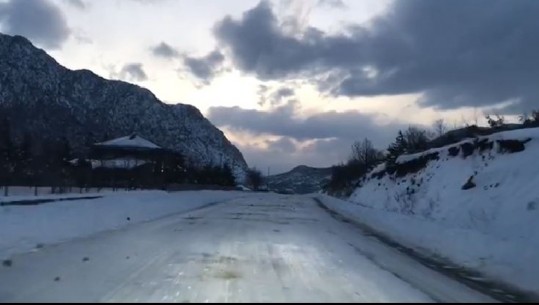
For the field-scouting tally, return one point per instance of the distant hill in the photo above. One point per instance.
(300, 180)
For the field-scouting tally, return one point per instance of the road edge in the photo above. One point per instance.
(497, 290)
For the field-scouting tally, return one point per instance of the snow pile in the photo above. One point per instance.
(22, 228)
(244, 188)
(492, 227)
(29, 192)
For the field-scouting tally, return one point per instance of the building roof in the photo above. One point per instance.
(132, 141)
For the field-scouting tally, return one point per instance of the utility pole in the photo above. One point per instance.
(267, 179)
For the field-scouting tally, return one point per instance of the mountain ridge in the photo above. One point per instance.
(37, 93)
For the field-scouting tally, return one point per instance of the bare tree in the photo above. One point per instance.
(364, 153)
(254, 178)
(524, 118)
(535, 117)
(440, 128)
(416, 139)
(497, 122)
(530, 119)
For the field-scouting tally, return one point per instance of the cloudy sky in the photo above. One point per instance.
(296, 82)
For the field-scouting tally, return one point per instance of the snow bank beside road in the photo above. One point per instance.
(492, 228)
(25, 192)
(22, 228)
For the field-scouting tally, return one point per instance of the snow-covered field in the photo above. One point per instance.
(492, 228)
(23, 228)
(27, 192)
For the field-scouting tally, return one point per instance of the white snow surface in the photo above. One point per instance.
(259, 248)
(22, 228)
(129, 141)
(28, 192)
(519, 134)
(492, 228)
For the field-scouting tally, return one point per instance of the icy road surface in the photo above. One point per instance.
(268, 248)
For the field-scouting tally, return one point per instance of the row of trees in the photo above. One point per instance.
(210, 175)
(364, 157)
(530, 119)
(254, 178)
(30, 161)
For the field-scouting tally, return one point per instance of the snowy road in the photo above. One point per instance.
(267, 248)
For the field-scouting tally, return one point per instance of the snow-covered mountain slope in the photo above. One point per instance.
(300, 180)
(37, 94)
(475, 202)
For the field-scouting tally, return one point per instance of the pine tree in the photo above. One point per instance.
(23, 159)
(229, 179)
(64, 153)
(6, 154)
(397, 148)
(254, 178)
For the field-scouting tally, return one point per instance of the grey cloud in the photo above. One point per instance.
(284, 92)
(332, 3)
(283, 145)
(164, 50)
(283, 121)
(205, 67)
(151, 1)
(133, 72)
(262, 92)
(457, 53)
(41, 21)
(281, 95)
(274, 97)
(259, 46)
(82, 38)
(80, 4)
(322, 139)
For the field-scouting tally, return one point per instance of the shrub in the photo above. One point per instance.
(254, 178)
(512, 146)
(485, 144)
(454, 151)
(467, 149)
(497, 122)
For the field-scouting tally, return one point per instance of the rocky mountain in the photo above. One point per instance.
(300, 180)
(40, 97)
